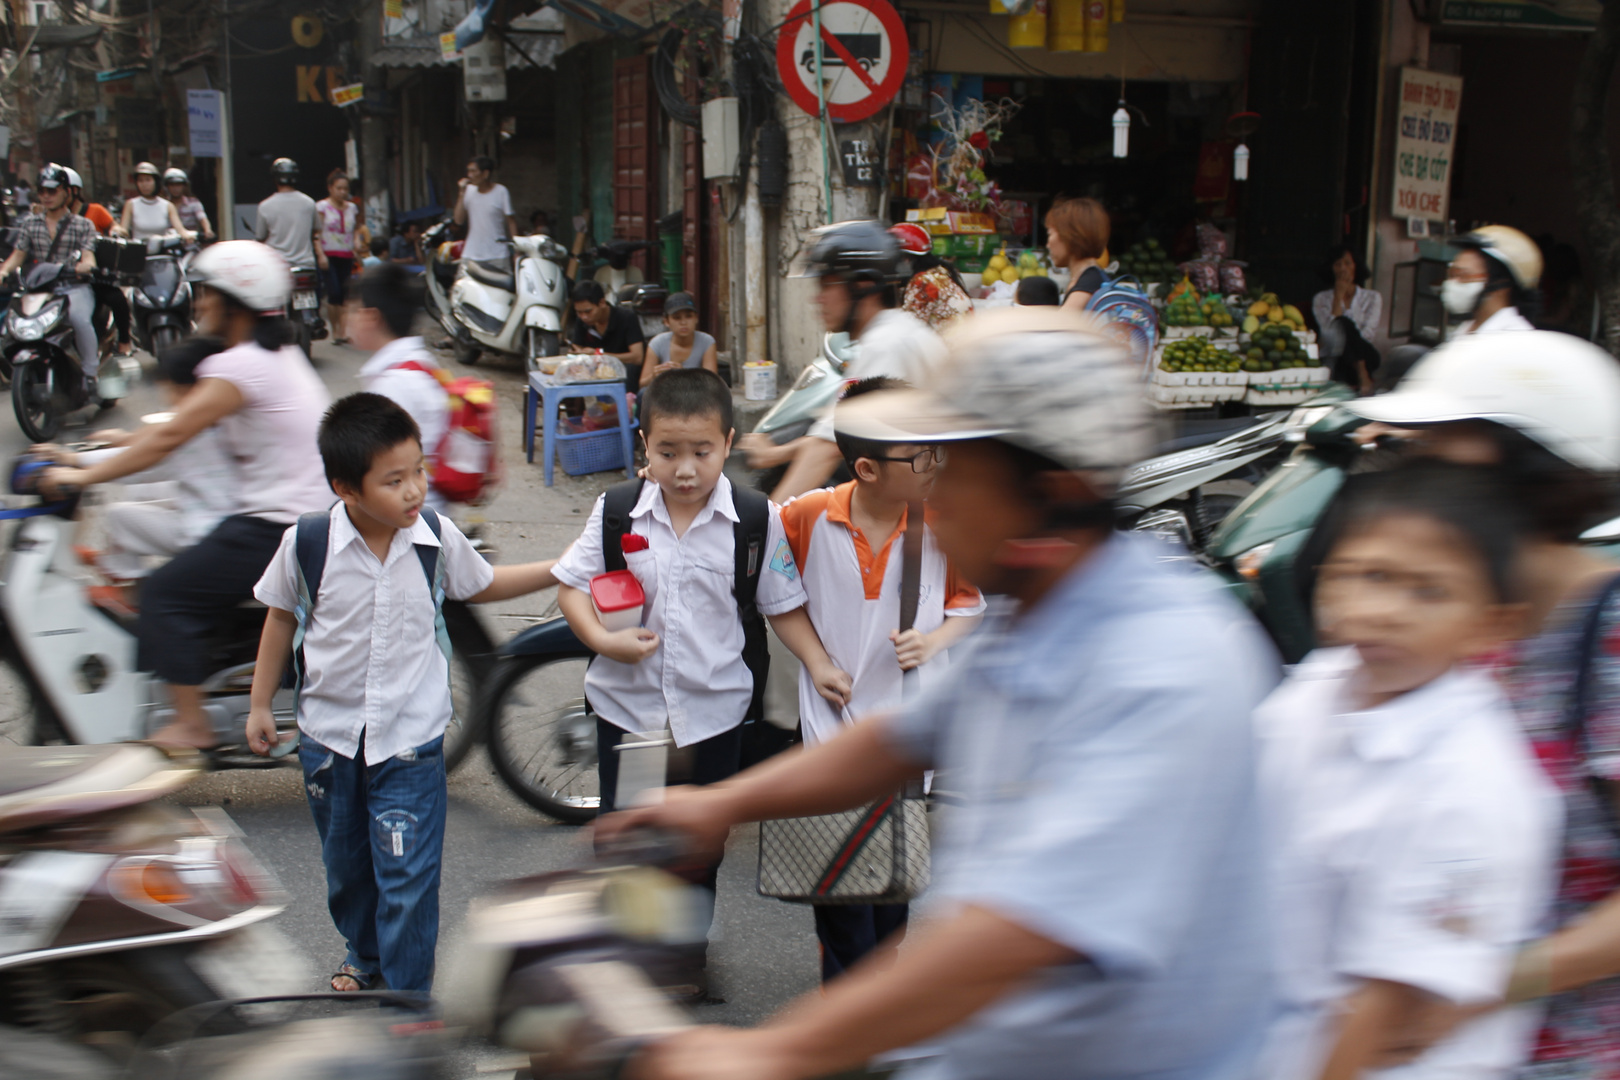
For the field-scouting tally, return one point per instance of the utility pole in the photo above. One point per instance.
(373, 126)
(22, 84)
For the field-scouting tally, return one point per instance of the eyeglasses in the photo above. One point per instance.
(926, 461)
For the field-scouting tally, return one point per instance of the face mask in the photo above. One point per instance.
(1460, 297)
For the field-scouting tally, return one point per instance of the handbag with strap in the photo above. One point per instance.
(876, 854)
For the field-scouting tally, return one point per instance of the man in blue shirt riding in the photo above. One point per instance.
(1100, 890)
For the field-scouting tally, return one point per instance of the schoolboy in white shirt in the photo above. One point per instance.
(683, 668)
(1415, 833)
(848, 544)
(375, 699)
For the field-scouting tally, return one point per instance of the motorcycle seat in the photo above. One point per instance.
(44, 784)
(1195, 433)
(496, 273)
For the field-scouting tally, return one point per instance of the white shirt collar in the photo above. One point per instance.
(720, 502)
(1401, 728)
(397, 351)
(344, 533)
(1508, 318)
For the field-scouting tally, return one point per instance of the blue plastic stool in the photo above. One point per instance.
(547, 396)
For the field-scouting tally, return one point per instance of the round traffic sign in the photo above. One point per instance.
(863, 56)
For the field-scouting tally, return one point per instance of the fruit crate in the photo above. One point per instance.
(592, 451)
(1191, 389)
(1176, 333)
(1289, 386)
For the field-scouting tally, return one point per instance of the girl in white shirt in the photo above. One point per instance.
(1414, 832)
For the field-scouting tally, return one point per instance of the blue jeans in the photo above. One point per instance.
(382, 839)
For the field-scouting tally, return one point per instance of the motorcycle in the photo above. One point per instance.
(806, 401)
(624, 283)
(42, 358)
(161, 307)
(512, 305)
(117, 909)
(306, 308)
(71, 652)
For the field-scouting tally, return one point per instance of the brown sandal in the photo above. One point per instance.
(361, 980)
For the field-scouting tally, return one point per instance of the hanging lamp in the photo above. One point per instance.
(1240, 162)
(1240, 126)
(1122, 130)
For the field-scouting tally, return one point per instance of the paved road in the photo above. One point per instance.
(763, 951)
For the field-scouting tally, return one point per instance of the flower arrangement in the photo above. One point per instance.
(958, 159)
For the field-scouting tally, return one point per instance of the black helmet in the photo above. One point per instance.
(285, 170)
(856, 250)
(54, 176)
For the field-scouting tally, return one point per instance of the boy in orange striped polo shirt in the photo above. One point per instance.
(847, 543)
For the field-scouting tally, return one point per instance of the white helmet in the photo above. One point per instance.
(246, 271)
(73, 178)
(1560, 391)
(1511, 248)
(175, 176)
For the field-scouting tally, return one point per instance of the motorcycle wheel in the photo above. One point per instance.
(470, 667)
(306, 340)
(26, 718)
(465, 354)
(540, 343)
(163, 337)
(112, 1001)
(542, 741)
(36, 401)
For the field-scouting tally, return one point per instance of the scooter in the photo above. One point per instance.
(74, 650)
(624, 283)
(161, 307)
(506, 308)
(42, 357)
(117, 909)
(806, 401)
(306, 308)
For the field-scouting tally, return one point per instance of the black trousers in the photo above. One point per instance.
(848, 932)
(113, 299)
(183, 601)
(707, 762)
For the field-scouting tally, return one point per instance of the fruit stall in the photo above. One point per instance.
(1248, 348)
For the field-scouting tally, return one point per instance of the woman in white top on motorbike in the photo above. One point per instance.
(150, 214)
(268, 403)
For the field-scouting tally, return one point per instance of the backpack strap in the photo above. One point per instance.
(749, 533)
(1580, 693)
(314, 531)
(432, 559)
(440, 376)
(618, 503)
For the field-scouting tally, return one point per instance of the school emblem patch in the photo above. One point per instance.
(782, 561)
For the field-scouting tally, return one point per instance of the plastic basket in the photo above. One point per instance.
(591, 451)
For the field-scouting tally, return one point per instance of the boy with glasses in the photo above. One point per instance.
(847, 542)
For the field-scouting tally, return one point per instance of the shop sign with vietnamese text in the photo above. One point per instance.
(1425, 143)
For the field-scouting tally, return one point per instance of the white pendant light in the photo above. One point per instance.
(1122, 130)
(1240, 162)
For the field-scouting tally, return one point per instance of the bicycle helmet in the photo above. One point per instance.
(285, 170)
(54, 176)
(1555, 389)
(247, 272)
(175, 176)
(857, 251)
(1510, 247)
(913, 238)
(74, 180)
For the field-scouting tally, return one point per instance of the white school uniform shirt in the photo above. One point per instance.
(854, 603)
(417, 392)
(695, 682)
(1414, 842)
(372, 661)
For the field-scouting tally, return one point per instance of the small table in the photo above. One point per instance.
(545, 395)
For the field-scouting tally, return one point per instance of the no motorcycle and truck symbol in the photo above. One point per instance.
(864, 49)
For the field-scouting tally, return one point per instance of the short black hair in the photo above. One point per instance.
(589, 291)
(1038, 291)
(853, 447)
(1561, 500)
(485, 164)
(379, 246)
(178, 362)
(355, 430)
(409, 225)
(395, 292)
(686, 392)
(1474, 503)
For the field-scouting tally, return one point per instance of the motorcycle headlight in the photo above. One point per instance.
(1249, 563)
(809, 377)
(31, 327)
(142, 300)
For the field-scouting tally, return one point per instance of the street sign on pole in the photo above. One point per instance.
(862, 56)
(205, 117)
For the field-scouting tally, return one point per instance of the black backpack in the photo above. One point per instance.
(752, 524)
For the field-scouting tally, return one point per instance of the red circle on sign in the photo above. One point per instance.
(879, 94)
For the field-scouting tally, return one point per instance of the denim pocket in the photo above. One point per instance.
(315, 760)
